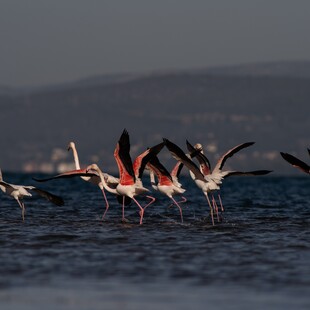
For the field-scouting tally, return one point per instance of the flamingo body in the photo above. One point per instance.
(18, 192)
(167, 184)
(130, 184)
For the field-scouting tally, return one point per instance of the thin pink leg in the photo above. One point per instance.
(181, 215)
(107, 204)
(181, 201)
(152, 200)
(220, 199)
(22, 206)
(211, 208)
(123, 209)
(141, 209)
(215, 208)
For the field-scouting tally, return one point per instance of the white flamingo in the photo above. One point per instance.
(110, 179)
(18, 192)
(92, 177)
(209, 182)
(215, 176)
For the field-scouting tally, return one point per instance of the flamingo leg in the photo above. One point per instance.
(107, 203)
(141, 209)
(211, 208)
(220, 199)
(181, 201)
(123, 209)
(152, 200)
(215, 207)
(22, 206)
(181, 214)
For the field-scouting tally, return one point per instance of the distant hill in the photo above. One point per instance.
(298, 69)
(212, 106)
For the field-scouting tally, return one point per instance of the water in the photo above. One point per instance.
(258, 256)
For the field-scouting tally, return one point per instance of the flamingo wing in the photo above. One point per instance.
(295, 162)
(179, 155)
(123, 159)
(8, 185)
(159, 168)
(230, 153)
(163, 175)
(68, 174)
(47, 195)
(202, 159)
(255, 172)
(142, 160)
(176, 170)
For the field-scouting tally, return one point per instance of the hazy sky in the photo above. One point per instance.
(52, 41)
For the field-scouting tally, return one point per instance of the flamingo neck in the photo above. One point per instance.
(76, 158)
(104, 183)
(152, 177)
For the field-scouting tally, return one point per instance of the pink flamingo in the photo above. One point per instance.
(167, 183)
(130, 184)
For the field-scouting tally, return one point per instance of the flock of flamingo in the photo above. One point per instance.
(129, 184)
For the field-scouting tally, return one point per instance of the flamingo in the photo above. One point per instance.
(167, 183)
(92, 178)
(211, 182)
(110, 180)
(93, 172)
(297, 163)
(217, 174)
(18, 192)
(130, 184)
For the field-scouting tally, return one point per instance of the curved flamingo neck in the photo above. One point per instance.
(76, 157)
(104, 183)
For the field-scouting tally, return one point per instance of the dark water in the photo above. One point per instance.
(258, 256)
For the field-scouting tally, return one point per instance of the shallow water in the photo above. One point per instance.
(257, 256)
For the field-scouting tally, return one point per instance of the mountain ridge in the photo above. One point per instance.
(219, 111)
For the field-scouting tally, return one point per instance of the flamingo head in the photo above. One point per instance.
(198, 146)
(71, 145)
(92, 167)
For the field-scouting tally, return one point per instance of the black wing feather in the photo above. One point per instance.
(178, 154)
(255, 172)
(202, 159)
(296, 162)
(124, 153)
(68, 174)
(152, 154)
(47, 195)
(157, 164)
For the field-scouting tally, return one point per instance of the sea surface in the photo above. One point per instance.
(257, 256)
